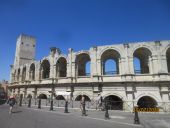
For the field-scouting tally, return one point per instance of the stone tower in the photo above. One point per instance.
(25, 50)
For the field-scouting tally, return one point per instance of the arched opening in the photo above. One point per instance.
(24, 74)
(78, 98)
(147, 102)
(29, 96)
(110, 62)
(18, 75)
(45, 69)
(82, 62)
(61, 67)
(142, 56)
(114, 102)
(14, 76)
(42, 96)
(32, 72)
(60, 97)
(168, 59)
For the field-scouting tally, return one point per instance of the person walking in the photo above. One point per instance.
(11, 101)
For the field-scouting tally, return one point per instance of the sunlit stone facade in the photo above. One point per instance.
(60, 73)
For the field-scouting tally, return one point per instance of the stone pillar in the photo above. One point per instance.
(71, 63)
(131, 65)
(93, 68)
(155, 65)
(130, 98)
(163, 67)
(126, 62)
(150, 65)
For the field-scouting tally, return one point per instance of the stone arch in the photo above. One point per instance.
(81, 61)
(110, 55)
(141, 46)
(158, 99)
(78, 98)
(147, 102)
(32, 72)
(143, 55)
(59, 97)
(42, 96)
(45, 69)
(61, 67)
(114, 102)
(113, 48)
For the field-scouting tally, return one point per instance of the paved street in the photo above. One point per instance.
(24, 117)
(30, 118)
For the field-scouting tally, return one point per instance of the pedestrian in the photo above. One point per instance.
(11, 101)
(82, 102)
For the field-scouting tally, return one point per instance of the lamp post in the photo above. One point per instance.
(136, 117)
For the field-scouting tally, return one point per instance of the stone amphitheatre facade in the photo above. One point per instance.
(65, 76)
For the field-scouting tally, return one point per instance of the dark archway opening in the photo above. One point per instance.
(45, 69)
(83, 64)
(42, 96)
(147, 102)
(61, 67)
(29, 96)
(78, 98)
(32, 72)
(114, 102)
(60, 97)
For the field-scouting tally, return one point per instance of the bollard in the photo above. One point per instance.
(107, 112)
(66, 107)
(51, 105)
(20, 101)
(84, 109)
(39, 103)
(29, 102)
(136, 118)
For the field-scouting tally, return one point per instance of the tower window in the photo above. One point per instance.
(22, 43)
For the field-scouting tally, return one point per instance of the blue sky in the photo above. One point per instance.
(79, 24)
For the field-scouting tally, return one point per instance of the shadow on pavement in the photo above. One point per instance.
(16, 112)
(2, 101)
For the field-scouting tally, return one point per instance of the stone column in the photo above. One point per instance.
(155, 65)
(126, 64)
(130, 98)
(163, 67)
(150, 65)
(93, 67)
